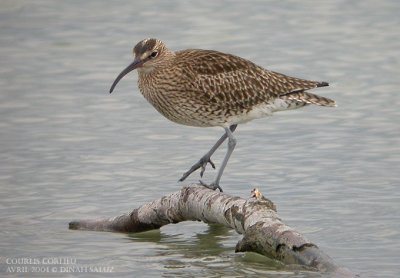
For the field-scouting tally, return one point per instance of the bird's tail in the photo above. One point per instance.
(309, 98)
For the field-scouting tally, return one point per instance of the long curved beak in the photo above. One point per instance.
(135, 64)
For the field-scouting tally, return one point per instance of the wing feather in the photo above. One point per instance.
(230, 81)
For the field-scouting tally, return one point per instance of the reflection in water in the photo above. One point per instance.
(209, 241)
(207, 247)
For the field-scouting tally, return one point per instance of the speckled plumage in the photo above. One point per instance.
(209, 88)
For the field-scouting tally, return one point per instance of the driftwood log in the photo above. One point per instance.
(256, 218)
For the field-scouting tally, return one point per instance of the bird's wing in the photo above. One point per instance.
(228, 80)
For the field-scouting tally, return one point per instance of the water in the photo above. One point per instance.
(70, 150)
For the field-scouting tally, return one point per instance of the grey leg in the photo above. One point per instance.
(231, 146)
(202, 163)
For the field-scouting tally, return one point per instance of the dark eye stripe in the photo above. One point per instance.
(144, 46)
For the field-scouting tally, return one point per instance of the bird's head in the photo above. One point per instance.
(149, 54)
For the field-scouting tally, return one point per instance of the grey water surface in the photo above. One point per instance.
(70, 150)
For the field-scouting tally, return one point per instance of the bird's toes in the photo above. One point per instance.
(212, 163)
(203, 168)
(212, 186)
(184, 176)
(204, 165)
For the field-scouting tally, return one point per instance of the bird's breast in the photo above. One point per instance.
(173, 101)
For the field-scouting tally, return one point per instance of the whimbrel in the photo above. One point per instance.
(208, 88)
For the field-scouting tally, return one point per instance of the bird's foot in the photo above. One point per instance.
(212, 186)
(202, 163)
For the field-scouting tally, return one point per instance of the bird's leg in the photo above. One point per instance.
(231, 146)
(202, 163)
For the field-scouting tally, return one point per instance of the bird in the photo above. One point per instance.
(209, 88)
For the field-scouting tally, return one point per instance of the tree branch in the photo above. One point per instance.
(255, 218)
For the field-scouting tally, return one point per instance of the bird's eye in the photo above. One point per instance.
(154, 54)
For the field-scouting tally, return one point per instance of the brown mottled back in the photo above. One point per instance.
(237, 85)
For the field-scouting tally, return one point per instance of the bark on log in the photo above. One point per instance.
(255, 218)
